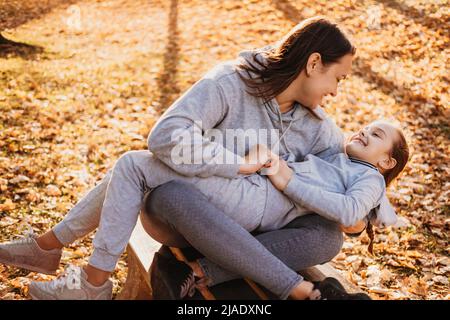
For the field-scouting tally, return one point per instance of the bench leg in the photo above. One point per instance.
(136, 286)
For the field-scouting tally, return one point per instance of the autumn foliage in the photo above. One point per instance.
(94, 76)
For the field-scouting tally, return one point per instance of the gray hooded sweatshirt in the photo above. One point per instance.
(219, 101)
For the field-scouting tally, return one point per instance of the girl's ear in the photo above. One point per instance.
(313, 63)
(387, 163)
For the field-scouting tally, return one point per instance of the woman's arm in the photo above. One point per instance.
(178, 135)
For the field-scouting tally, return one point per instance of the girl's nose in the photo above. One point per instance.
(333, 92)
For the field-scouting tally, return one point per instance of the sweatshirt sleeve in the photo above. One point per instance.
(183, 125)
(329, 141)
(359, 198)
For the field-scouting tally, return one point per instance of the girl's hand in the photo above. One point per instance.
(358, 227)
(281, 174)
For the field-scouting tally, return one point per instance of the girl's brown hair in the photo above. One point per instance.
(283, 63)
(400, 152)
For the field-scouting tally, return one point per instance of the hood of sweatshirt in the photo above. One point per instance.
(384, 214)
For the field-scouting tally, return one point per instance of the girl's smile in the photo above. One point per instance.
(373, 144)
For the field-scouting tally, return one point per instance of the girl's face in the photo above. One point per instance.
(318, 81)
(373, 144)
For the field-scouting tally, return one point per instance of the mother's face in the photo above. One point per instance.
(318, 81)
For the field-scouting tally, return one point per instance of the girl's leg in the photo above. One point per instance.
(133, 174)
(305, 242)
(43, 254)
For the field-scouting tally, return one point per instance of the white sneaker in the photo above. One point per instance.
(25, 253)
(71, 285)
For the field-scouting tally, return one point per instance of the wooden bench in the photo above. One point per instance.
(142, 247)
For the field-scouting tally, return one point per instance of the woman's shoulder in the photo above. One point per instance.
(220, 70)
(223, 72)
(227, 71)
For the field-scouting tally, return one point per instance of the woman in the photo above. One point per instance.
(276, 88)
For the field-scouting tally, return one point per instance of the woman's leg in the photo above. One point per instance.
(82, 219)
(305, 242)
(183, 208)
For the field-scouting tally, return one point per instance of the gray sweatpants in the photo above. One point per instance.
(114, 205)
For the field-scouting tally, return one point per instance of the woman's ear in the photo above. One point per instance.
(387, 163)
(313, 63)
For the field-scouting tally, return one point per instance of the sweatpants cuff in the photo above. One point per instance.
(63, 233)
(103, 260)
(288, 290)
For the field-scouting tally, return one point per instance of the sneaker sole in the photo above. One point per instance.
(38, 296)
(28, 267)
(41, 295)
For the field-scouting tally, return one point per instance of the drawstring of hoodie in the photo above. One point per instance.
(283, 132)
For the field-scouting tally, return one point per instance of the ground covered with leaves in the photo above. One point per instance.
(81, 84)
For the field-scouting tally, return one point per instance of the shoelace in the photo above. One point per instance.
(190, 284)
(70, 277)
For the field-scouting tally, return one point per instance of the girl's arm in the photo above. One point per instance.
(180, 132)
(347, 209)
(279, 173)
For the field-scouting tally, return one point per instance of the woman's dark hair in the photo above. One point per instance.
(283, 63)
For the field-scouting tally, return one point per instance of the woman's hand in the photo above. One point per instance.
(280, 174)
(258, 156)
